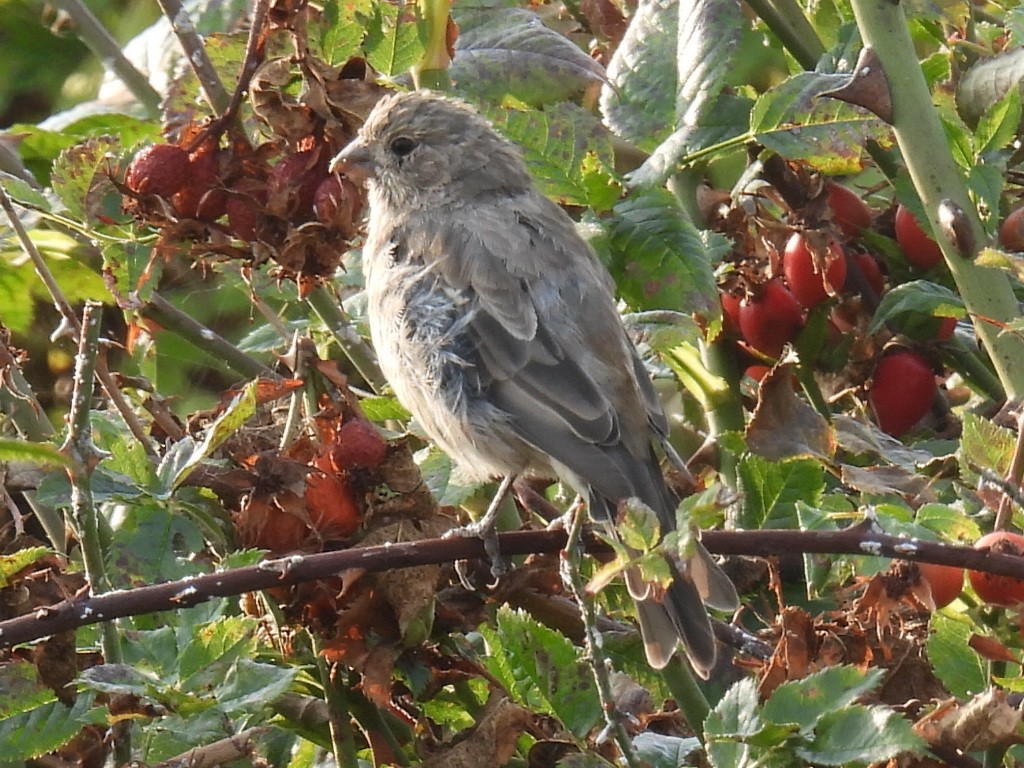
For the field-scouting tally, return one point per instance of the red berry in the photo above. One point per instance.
(849, 211)
(772, 319)
(946, 327)
(160, 169)
(201, 197)
(358, 444)
(806, 277)
(757, 371)
(330, 501)
(871, 271)
(1011, 234)
(999, 590)
(920, 250)
(902, 391)
(946, 582)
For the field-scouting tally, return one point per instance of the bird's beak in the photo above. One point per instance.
(355, 162)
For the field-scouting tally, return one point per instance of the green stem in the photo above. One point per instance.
(966, 361)
(922, 141)
(727, 413)
(790, 25)
(172, 318)
(338, 718)
(359, 353)
(432, 69)
(688, 695)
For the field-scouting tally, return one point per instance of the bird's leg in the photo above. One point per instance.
(484, 529)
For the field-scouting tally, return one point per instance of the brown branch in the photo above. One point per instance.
(862, 539)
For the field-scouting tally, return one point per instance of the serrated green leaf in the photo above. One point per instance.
(510, 52)
(639, 101)
(78, 173)
(120, 679)
(961, 670)
(23, 193)
(998, 126)
(542, 670)
(708, 32)
(662, 751)
(985, 445)
(858, 735)
(42, 729)
(42, 454)
(561, 146)
(771, 489)
(659, 259)
(639, 527)
(395, 38)
(221, 641)
(341, 34)
(802, 702)
(252, 685)
(734, 719)
(152, 542)
(910, 302)
(796, 121)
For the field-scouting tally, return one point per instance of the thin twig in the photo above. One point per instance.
(198, 59)
(108, 51)
(569, 570)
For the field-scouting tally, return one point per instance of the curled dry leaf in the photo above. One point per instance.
(785, 426)
(987, 720)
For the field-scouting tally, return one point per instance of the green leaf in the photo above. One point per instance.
(219, 641)
(988, 82)
(20, 689)
(250, 685)
(907, 305)
(43, 729)
(510, 52)
(639, 528)
(395, 38)
(771, 489)
(152, 541)
(734, 719)
(43, 454)
(120, 679)
(78, 174)
(16, 561)
(985, 445)
(708, 32)
(796, 122)
(20, 191)
(383, 409)
(187, 453)
(566, 150)
(341, 33)
(639, 101)
(803, 702)
(542, 670)
(444, 479)
(662, 751)
(998, 126)
(858, 735)
(658, 257)
(961, 670)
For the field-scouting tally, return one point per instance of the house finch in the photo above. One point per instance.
(496, 326)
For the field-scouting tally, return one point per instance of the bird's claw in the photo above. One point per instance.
(487, 533)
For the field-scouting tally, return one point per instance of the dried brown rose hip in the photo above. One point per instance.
(337, 202)
(200, 197)
(159, 169)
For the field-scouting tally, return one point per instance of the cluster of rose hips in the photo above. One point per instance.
(814, 267)
(235, 190)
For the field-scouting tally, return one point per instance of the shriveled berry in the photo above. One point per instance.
(337, 203)
(159, 169)
(1011, 233)
(243, 217)
(358, 445)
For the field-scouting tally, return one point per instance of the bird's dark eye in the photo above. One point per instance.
(402, 146)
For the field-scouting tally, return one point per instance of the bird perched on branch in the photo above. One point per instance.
(496, 326)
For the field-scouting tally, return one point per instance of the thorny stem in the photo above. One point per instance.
(204, 338)
(195, 53)
(941, 187)
(592, 640)
(69, 321)
(85, 456)
(108, 51)
(687, 693)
